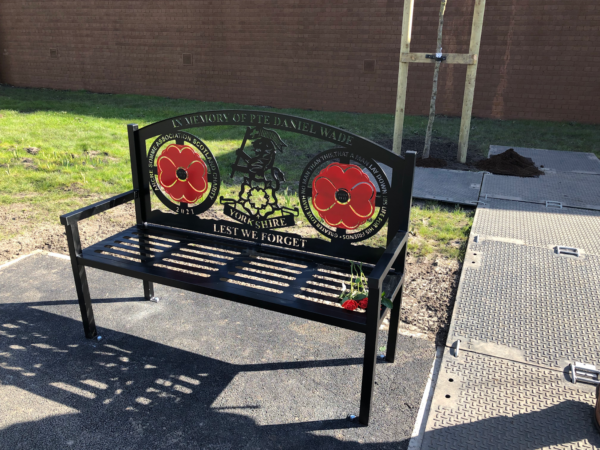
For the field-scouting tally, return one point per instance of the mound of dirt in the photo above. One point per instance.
(510, 163)
(435, 163)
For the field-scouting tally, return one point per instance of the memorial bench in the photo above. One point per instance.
(344, 193)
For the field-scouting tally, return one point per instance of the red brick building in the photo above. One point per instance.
(539, 58)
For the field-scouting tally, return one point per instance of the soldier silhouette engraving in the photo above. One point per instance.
(266, 144)
(257, 197)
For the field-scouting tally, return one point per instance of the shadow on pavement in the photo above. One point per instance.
(126, 392)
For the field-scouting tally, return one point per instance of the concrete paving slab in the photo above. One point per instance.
(189, 372)
(554, 160)
(482, 402)
(452, 186)
(528, 304)
(538, 225)
(569, 189)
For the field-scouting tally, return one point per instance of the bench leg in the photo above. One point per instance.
(148, 290)
(81, 283)
(368, 378)
(390, 354)
(148, 285)
(85, 302)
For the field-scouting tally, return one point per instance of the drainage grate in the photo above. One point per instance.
(187, 59)
(553, 204)
(53, 53)
(566, 251)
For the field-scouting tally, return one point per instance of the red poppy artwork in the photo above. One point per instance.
(182, 173)
(343, 196)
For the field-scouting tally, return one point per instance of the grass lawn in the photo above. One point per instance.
(84, 151)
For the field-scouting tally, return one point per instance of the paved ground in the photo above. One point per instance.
(537, 225)
(496, 403)
(523, 313)
(450, 186)
(189, 372)
(568, 189)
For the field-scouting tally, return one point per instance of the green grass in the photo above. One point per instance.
(439, 230)
(84, 152)
(83, 141)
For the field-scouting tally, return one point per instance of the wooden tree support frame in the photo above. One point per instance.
(470, 59)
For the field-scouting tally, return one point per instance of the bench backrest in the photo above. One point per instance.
(348, 192)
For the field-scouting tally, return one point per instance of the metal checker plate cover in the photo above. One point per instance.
(578, 190)
(499, 404)
(539, 226)
(554, 160)
(454, 186)
(544, 306)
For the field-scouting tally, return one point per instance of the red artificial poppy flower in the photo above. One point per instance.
(363, 303)
(182, 173)
(343, 196)
(350, 305)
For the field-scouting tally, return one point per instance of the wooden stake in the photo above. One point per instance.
(465, 123)
(436, 73)
(407, 17)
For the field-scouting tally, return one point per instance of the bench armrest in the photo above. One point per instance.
(383, 266)
(96, 208)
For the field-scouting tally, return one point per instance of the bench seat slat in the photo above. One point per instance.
(107, 250)
(136, 248)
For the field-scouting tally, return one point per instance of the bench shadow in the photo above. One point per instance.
(129, 392)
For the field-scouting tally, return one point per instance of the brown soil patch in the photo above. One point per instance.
(510, 163)
(429, 296)
(430, 288)
(435, 163)
(441, 149)
(51, 237)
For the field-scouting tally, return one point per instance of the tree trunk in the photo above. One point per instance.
(436, 73)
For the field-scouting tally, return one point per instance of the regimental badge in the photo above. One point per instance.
(257, 204)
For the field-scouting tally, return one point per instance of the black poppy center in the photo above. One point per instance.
(342, 196)
(182, 174)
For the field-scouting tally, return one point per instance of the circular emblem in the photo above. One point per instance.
(344, 195)
(184, 174)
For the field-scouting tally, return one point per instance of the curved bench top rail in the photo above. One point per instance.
(283, 122)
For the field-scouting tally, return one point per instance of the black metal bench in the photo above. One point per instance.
(344, 194)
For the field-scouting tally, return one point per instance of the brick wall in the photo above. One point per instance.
(539, 58)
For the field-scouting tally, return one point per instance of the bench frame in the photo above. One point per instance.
(391, 261)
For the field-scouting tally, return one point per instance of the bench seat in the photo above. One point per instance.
(293, 282)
